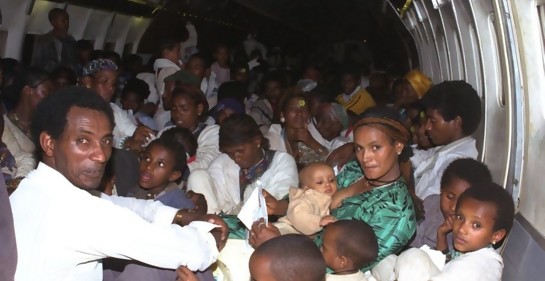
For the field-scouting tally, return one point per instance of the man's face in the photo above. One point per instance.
(83, 149)
(61, 23)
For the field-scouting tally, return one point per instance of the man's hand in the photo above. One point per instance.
(184, 274)
(261, 233)
(201, 207)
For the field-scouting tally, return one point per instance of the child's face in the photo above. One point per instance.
(449, 196)
(260, 268)
(473, 226)
(223, 114)
(329, 248)
(349, 83)
(273, 91)
(172, 54)
(196, 67)
(322, 179)
(131, 101)
(157, 167)
(184, 112)
(222, 56)
(440, 131)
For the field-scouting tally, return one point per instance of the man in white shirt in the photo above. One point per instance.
(63, 232)
(453, 109)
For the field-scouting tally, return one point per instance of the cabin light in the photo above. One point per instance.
(439, 3)
(364, 40)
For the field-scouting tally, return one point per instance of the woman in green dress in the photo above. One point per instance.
(371, 189)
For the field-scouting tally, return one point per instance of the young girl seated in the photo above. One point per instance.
(161, 166)
(185, 138)
(348, 245)
(484, 215)
(308, 210)
(459, 176)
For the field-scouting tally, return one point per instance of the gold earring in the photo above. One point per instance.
(282, 119)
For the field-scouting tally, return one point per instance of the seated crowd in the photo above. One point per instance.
(127, 173)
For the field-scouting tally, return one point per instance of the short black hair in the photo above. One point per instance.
(273, 76)
(50, 114)
(175, 149)
(490, 192)
(239, 129)
(199, 56)
(355, 240)
(321, 93)
(194, 93)
(84, 45)
(113, 56)
(467, 169)
(132, 59)
(238, 65)
(456, 98)
(31, 77)
(351, 70)
(137, 86)
(184, 137)
(293, 257)
(66, 72)
(233, 89)
(220, 46)
(168, 43)
(55, 12)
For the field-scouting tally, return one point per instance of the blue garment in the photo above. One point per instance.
(176, 198)
(146, 120)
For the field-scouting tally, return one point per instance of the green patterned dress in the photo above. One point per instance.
(387, 209)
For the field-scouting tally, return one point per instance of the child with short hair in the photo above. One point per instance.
(161, 166)
(458, 176)
(220, 67)
(308, 210)
(197, 65)
(291, 257)
(354, 97)
(483, 218)
(348, 245)
(133, 96)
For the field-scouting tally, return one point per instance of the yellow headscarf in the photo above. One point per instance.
(419, 81)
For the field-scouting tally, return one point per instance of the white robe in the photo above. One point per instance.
(208, 148)
(125, 125)
(430, 164)
(220, 182)
(481, 265)
(21, 147)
